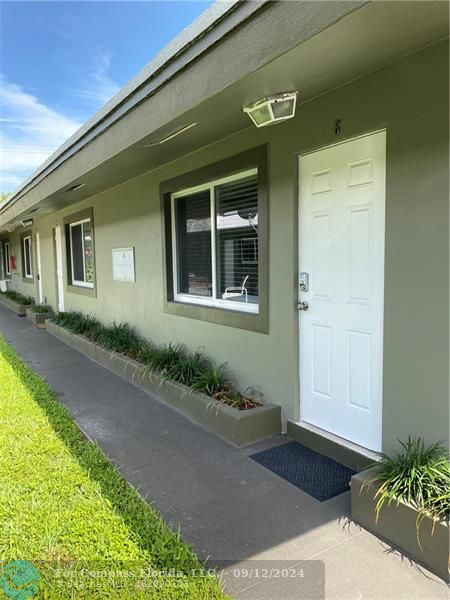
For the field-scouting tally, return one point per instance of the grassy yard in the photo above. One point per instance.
(67, 510)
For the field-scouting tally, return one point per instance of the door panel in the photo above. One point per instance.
(341, 231)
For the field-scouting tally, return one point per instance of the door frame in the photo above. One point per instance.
(59, 268)
(298, 240)
(39, 269)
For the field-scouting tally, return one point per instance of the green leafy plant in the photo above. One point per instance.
(17, 297)
(146, 352)
(76, 322)
(41, 308)
(163, 359)
(189, 367)
(171, 361)
(418, 475)
(119, 337)
(213, 381)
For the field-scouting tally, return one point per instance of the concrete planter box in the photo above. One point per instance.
(39, 319)
(19, 309)
(397, 525)
(240, 427)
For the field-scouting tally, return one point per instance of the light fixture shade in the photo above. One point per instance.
(272, 109)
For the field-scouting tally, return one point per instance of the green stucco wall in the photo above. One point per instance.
(410, 100)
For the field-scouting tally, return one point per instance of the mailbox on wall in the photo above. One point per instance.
(123, 264)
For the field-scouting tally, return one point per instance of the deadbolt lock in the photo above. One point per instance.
(302, 305)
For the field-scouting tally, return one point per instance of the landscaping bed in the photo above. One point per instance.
(78, 527)
(405, 501)
(203, 391)
(39, 314)
(16, 302)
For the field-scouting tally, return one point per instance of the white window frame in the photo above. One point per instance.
(6, 257)
(212, 301)
(27, 274)
(76, 282)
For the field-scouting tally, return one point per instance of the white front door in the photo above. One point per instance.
(59, 268)
(39, 271)
(341, 264)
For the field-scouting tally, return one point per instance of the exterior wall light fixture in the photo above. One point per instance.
(272, 109)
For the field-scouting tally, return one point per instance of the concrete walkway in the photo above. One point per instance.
(226, 505)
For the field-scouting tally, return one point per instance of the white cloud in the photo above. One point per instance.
(100, 87)
(30, 132)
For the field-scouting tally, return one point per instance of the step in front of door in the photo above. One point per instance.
(340, 450)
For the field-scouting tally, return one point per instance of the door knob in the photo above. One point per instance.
(302, 305)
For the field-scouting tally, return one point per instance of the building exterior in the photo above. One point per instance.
(212, 234)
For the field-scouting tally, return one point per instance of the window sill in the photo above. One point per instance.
(251, 321)
(228, 305)
(82, 290)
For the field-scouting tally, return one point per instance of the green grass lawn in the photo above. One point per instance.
(67, 510)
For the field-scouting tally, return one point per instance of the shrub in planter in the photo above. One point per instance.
(171, 361)
(41, 309)
(18, 297)
(418, 475)
(39, 314)
(119, 337)
(405, 499)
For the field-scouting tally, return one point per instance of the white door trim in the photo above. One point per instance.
(39, 270)
(376, 436)
(59, 268)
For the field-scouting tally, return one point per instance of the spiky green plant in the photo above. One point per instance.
(76, 322)
(18, 297)
(146, 352)
(214, 380)
(418, 475)
(119, 337)
(41, 308)
(188, 368)
(171, 361)
(164, 358)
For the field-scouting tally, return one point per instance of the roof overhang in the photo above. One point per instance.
(233, 54)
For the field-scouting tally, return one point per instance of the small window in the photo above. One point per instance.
(6, 258)
(27, 257)
(82, 253)
(215, 243)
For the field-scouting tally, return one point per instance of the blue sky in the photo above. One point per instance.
(61, 61)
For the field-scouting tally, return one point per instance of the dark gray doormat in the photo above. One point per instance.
(310, 471)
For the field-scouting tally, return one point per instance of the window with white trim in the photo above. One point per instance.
(81, 253)
(27, 257)
(215, 243)
(6, 258)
